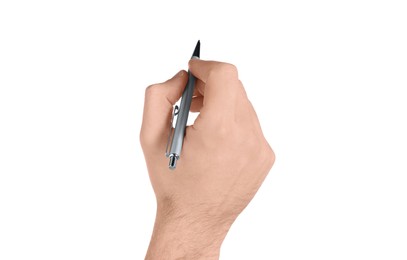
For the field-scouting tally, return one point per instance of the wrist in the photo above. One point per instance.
(189, 234)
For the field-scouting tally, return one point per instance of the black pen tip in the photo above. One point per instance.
(197, 49)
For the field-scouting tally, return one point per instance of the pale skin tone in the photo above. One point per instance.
(225, 159)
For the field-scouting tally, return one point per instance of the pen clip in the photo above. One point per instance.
(170, 132)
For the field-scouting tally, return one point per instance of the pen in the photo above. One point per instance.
(182, 112)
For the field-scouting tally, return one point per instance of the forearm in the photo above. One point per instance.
(180, 235)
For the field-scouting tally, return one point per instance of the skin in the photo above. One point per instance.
(225, 159)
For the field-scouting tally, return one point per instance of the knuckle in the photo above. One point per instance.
(270, 156)
(262, 151)
(220, 131)
(225, 69)
(142, 138)
(224, 131)
(152, 90)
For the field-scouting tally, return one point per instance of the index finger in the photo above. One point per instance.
(204, 69)
(220, 80)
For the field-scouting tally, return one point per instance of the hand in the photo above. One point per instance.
(224, 160)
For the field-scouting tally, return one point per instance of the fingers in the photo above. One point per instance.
(196, 104)
(203, 69)
(197, 99)
(158, 104)
(199, 88)
(217, 81)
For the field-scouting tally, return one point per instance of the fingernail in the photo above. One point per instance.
(179, 74)
(192, 60)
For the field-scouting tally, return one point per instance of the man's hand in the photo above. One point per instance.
(224, 160)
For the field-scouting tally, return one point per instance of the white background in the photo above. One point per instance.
(328, 80)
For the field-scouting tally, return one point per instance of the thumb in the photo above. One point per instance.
(158, 105)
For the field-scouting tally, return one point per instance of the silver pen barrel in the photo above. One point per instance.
(182, 119)
(177, 141)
